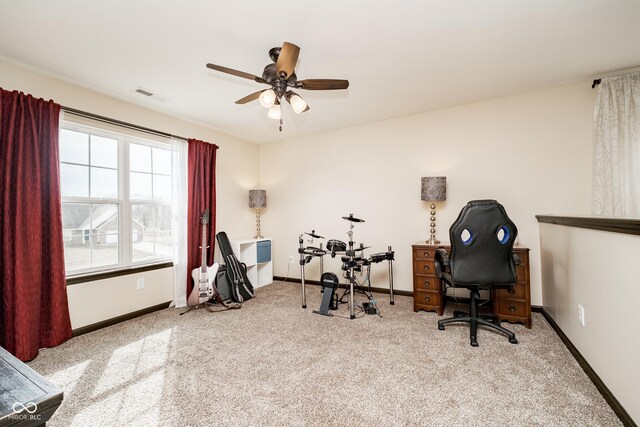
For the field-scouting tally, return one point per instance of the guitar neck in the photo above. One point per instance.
(203, 261)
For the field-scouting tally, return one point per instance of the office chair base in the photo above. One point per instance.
(488, 317)
(474, 322)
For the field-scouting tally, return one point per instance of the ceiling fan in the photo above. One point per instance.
(281, 76)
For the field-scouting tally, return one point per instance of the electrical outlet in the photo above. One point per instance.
(290, 259)
(581, 314)
(140, 283)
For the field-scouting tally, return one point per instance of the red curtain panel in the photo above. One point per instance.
(201, 179)
(34, 312)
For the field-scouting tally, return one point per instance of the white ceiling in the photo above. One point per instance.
(401, 57)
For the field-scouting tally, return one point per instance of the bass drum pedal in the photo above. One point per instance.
(329, 282)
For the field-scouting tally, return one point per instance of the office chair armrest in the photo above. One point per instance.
(516, 259)
(441, 261)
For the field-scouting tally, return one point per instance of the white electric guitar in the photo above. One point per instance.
(204, 277)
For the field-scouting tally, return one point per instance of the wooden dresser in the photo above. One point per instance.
(428, 291)
(513, 305)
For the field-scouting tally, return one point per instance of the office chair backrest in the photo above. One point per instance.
(482, 245)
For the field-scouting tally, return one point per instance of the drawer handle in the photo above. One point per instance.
(426, 254)
(427, 298)
(426, 283)
(512, 309)
(512, 291)
(426, 267)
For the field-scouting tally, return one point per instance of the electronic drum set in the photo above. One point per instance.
(353, 261)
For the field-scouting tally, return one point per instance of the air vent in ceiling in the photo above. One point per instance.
(144, 92)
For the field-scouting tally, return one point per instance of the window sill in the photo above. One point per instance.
(90, 277)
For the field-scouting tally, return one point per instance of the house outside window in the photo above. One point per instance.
(116, 199)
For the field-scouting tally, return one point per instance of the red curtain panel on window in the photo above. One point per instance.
(34, 311)
(202, 195)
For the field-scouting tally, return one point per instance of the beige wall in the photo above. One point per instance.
(531, 152)
(105, 299)
(237, 172)
(596, 269)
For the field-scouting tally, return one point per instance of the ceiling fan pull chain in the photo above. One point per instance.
(280, 124)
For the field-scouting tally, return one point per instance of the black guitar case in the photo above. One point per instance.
(222, 284)
(239, 285)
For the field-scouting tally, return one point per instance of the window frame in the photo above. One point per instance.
(123, 201)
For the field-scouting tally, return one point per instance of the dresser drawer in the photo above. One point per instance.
(512, 308)
(426, 298)
(425, 283)
(424, 266)
(423, 253)
(521, 272)
(519, 291)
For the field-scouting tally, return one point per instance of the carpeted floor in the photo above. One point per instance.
(273, 363)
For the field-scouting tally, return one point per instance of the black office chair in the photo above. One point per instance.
(481, 257)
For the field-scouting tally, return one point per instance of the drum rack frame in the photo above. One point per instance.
(304, 253)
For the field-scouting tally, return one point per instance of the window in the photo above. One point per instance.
(150, 194)
(116, 199)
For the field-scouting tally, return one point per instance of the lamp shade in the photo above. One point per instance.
(275, 112)
(257, 198)
(267, 98)
(434, 188)
(297, 103)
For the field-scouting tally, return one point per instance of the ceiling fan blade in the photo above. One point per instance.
(249, 98)
(322, 84)
(287, 59)
(236, 73)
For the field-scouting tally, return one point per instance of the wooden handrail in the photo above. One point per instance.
(614, 225)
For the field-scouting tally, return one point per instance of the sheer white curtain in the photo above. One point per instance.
(180, 158)
(616, 174)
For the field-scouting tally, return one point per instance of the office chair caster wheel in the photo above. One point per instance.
(513, 340)
(474, 343)
(440, 327)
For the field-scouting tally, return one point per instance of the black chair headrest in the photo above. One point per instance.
(482, 239)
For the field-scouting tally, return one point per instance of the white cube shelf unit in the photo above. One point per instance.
(256, 254)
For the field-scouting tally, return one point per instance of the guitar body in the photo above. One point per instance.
(204, 277)
(204, 287)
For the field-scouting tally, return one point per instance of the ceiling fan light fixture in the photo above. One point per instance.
(267, 98)
(297, 103)
(274, 111)
(281, 75)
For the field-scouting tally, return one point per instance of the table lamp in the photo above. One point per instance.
(257, 200)
(434, 189)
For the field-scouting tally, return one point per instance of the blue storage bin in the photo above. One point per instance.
(264, 251)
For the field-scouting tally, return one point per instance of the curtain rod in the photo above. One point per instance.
(617, 73)
(120, 123)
